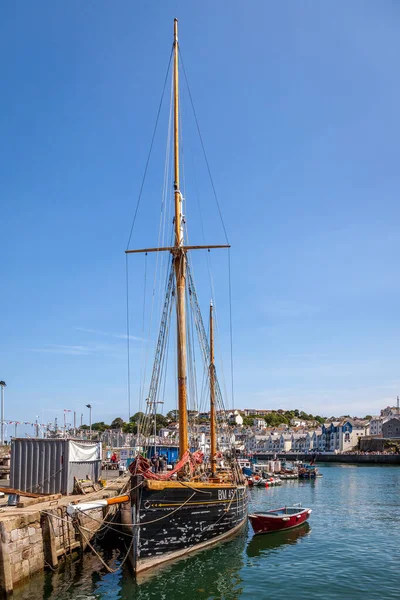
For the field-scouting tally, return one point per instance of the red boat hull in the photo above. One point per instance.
(269, 522)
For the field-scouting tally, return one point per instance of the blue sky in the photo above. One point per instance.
(298, 107)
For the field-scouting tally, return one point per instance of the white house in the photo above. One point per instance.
(340, 436)
(295, 422)
(301, 442)
(236, 418)
(389, 412)
(314, 439)
(375, 426)
(286, 442)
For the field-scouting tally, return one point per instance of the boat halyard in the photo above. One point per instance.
(199, 502)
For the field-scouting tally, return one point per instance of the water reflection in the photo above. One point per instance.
(213, 574)
(263, 544)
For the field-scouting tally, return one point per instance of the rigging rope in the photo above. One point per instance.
(128, 334)
(203, 148)
(220, 214)
(150, 150)
(231, 329)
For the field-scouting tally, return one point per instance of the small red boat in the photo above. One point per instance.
(279, 519)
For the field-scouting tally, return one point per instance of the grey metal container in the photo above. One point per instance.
(49, 466)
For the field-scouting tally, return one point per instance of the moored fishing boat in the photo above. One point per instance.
(308, 472)
(199, 502)
(279, 519)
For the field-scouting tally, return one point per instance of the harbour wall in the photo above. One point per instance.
(364, 459)
(35, 538)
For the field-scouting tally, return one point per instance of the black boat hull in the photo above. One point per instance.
(173, 519)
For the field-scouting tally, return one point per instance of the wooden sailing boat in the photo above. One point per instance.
(196, 504)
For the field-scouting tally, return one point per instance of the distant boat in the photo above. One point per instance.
(279, 519)
(308, 472)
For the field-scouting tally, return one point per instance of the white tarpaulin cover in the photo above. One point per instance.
(79, 452)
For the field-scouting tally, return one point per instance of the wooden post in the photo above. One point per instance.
(49, 541)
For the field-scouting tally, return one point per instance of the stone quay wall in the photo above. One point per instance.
(365, 459)
(21, 549)
(36, 539)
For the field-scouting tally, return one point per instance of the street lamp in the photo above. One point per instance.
(2, 385)
(89, 406)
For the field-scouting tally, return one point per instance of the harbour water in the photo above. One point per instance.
(349, 549)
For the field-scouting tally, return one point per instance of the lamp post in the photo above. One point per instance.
(66, 410)
(89, 406)
(2, 385)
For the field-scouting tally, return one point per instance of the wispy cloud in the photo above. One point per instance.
(80, 350)
(119, 336)
(65, 349)
(88, 330)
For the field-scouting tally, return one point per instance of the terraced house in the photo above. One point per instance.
(339, 436)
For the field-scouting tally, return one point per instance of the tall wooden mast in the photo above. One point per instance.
(213, 420)
(180, 267)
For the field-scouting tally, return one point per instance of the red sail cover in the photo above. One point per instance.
(142, 466)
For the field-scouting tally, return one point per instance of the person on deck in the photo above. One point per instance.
(155, 462)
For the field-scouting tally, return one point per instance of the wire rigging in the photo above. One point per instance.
(203, 148)
(150, 150)
(128, 334)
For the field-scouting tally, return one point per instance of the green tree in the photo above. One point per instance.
(173, 415)
(161, 420)
(100, 426)
(117, 423)
(136, 417)
(130, 427)
(276, 418)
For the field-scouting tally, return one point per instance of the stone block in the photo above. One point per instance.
(27, 553)
(20, 522)
(15, 558)
(37, 538)
(31, 530)
(36, 563)
(17, 571)
(14, 535)
(9, 525)
(25, 568)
